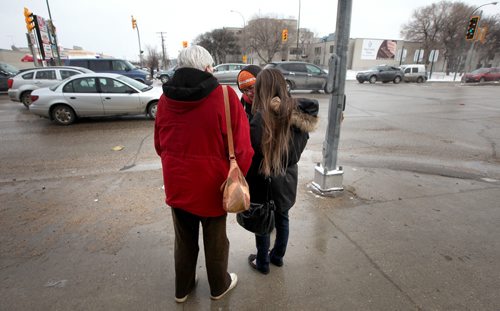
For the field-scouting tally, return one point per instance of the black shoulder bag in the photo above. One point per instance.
(259, 218)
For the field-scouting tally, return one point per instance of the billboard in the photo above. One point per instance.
(378, 49)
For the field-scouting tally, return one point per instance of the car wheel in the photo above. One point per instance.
(481, 80)
(420, 80)
(152, 110)
(26, 98)
(397, 79)
(288, 86)
(63, 115)
(373, 79)
(164, 79)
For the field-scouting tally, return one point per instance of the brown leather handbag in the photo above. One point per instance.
(236, 195)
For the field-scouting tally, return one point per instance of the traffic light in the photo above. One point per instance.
(30, 19)
(134, 23)
(184, 44)
(284, 35)
(471, 29)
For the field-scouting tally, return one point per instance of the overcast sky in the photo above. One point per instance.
(104, 26)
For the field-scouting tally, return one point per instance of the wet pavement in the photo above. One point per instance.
(83, 227)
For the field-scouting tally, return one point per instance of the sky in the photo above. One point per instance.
(104, 26)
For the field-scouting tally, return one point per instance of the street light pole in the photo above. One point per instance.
(243, 33)
(328, 175)
(457, 67)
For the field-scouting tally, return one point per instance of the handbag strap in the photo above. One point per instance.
(228, 123)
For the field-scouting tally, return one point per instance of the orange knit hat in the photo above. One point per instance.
(245, 79)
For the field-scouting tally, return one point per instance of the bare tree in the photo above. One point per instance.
(426, 24)
(152, 58)
(220, 43)
(264, 37)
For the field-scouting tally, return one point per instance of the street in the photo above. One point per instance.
(85, 227)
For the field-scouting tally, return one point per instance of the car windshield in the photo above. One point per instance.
(9, 68)
(138, 85)
(376, 68)
(480, 70)
(129, 65)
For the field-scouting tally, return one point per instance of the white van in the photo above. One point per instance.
(414, 73)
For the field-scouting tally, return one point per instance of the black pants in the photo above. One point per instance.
(186, 251)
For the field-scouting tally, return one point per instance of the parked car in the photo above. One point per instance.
(482, 75)
(165, 75)
(301, 75)
(111, 65)
(382, 73)
(95, 95)
(227, 73)
(6, 72)
(414, 73)
(21, 85)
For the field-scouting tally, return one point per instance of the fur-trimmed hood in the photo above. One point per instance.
(305, 117)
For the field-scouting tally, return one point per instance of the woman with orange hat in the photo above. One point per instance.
(246, 81)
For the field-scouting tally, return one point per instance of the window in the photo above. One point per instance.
(84, 85)
(331, 48)
(46, 75)
(100, 65)
(79, 63)
(119, 65)
(295, 67)
(414, 70)
(222, 68)
(68, 73)
(317, 50)
(68, 88)
(114, 86)
(407, 70)
(313, 70)
(28, 76)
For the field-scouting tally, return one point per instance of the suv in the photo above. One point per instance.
(119, 66)
(26, 81)
(6, 71)
(301, 75)
(414, 73)
(228, 72)
(382, 73)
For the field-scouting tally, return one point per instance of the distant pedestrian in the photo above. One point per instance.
(190, 137)
(246, 83)
(279, 132)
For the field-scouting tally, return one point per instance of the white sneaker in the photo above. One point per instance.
(234, 281)
(183, 299)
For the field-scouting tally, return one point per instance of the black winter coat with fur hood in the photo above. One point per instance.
(283, 187)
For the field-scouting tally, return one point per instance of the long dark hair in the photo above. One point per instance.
(276, 106)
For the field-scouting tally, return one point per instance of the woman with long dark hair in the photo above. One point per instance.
(279, 133)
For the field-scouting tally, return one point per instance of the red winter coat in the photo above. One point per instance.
(191, 139)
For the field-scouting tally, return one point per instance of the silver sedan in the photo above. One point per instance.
(95, 95)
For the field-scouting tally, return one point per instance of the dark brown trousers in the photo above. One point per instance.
(216, 247)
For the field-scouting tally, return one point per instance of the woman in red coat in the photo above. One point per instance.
(191, 139)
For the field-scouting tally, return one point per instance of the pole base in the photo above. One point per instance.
(328, 183)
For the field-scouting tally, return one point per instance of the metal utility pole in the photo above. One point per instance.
(328, 176)
(54, 33)
(243, 46)
(163, 62)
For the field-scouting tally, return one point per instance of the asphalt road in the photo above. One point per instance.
(85, 227)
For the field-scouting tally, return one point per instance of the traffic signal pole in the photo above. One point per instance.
(328, 176)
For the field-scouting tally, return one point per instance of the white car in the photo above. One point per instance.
(95, 95)
(21, 86)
